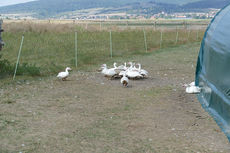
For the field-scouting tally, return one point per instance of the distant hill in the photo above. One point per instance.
(207, 4)
(45, 8)
(51, 8)
(177, 2)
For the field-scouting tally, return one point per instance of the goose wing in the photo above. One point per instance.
(62, 75)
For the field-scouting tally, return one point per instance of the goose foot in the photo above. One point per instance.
(63, 79)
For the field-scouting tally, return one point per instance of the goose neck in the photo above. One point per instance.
(139, 66)
(115, 65)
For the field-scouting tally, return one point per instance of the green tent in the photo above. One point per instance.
(213, 70)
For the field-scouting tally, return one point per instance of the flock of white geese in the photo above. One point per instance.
(132, 72)
(124, 72)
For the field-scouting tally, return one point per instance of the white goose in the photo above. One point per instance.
(134, 67)
(122, 73)
(108, 72)
(131, 66)
(103, 70)
(133, 74)
(142, 71)
(121, 67)
(120, 70)
(192, 89)
(117, 69)
(64, 75)
(124, 80)
(126, 69)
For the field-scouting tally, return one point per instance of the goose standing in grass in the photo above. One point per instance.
(143, 72)
(64, 75)
(134, 67)
(124, 80)
(119, 70)
(103, 68)
(131, 66)
(121, 67)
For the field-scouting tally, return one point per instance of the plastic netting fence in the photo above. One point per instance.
(52, 51)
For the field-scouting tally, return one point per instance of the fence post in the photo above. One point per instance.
(76, 49)
(161, 39)
(19, 54)
(185, 25)
(111, 45)
(188, 35)
(197, 35)
(146, 47)
(86, 26)
(100, 24)
(177, 34)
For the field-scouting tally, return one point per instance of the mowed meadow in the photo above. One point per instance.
(53, 46)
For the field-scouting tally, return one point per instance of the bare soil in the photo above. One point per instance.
(89, 113)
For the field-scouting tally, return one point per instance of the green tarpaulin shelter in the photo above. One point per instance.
(213, 70)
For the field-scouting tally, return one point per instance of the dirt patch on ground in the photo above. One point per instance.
(90, 113)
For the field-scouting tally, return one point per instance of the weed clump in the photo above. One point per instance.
(6, 68)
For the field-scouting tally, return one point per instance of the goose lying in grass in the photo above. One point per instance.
(124, 72)
(192, 89)
(132, 74)
(118, 69)
(124, 80)
(64, 75)
(108, 72)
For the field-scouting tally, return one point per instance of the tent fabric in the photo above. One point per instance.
(213, 70)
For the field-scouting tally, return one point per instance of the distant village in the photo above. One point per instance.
(163, 15)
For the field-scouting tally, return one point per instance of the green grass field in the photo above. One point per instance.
(51, 47)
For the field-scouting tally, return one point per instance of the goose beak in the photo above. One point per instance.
(99, 70)
(185, 85)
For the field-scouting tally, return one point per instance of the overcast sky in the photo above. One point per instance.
(10, 2)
